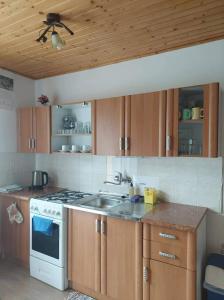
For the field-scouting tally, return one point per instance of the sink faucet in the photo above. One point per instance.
(119, 178)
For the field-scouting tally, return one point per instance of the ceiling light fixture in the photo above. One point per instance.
(53, 20)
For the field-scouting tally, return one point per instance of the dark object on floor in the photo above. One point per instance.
(78, 296)
(214, 279)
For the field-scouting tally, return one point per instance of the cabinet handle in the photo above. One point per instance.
(122, 143)
(33, 143)
(168, 143)
(103, 227)
(167, 236)
(127, 143)
(167, 255)
(30, 144)
(146, 274)
(97, 225)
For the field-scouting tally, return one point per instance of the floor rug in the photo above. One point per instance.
(78, 296)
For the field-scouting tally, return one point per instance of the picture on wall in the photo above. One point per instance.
(6, 83)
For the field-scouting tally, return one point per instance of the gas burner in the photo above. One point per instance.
(65, 196)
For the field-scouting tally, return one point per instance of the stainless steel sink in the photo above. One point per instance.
(102, 202)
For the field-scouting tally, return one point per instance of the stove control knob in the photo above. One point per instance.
(45, 211)
(58, 213)
(49, 211)
(31, 207)
(53, 212)
(36, 208)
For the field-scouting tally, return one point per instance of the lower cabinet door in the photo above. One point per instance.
(122, 253)
(84, 251)
(15, 237)
(164, 281)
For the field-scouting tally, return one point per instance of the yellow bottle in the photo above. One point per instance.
(150, 196)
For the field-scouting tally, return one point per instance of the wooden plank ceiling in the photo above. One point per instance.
(106, 31)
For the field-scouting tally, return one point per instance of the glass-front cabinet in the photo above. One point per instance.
(192, 121)
(72, 128)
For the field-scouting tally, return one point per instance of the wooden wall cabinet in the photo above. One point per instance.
(131, 125)
(193, 137)
(173, 263)
(105, 256)
(15, 237)
(33, 129)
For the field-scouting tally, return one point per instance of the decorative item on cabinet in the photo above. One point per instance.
(43, 99)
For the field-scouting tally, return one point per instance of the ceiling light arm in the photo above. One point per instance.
(44, 33)
(66, 28)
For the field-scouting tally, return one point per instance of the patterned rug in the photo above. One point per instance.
(78, 296)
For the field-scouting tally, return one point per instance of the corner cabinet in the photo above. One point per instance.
(33, 126)
(105, 256)
(190, 134)
(132, 125)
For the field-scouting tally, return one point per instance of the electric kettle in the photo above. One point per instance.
(39, 179)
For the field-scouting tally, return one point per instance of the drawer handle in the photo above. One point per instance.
(146, 274)
(167, 236)
(167, 255)
(98, 227)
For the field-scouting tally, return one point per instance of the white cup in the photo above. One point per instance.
(65, 148)
(75, 148)
(86, 148)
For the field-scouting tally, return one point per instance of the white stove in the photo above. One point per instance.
(48, 249)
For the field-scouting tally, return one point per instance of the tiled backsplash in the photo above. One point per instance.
(195, 181)
(16, 168)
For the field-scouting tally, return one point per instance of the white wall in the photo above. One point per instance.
(195, 181)
(15, 168)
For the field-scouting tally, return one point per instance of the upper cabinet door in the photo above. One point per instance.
(25, 128)
(41, 129)
(192, 121)
(145, 124)
(109, 126)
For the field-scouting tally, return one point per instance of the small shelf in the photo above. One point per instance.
(72, 153)
(200, 121)
(72, 134)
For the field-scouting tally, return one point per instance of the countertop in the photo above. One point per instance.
(27, 194)
(177, 216)
(172, 215)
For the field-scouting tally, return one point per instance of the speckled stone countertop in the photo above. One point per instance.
(176, 216)
(27, 194)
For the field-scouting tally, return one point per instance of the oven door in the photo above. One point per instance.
(48, 248)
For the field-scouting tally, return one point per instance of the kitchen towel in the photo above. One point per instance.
(43, 225)
(14, 214)
(78, 296)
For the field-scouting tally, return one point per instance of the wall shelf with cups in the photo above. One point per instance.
(191, 121)
(72, 128)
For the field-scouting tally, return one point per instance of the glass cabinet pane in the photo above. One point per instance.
(191, 121)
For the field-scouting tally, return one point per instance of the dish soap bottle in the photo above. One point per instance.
(131, 190)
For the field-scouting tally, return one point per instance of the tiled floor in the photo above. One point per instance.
(16, 284)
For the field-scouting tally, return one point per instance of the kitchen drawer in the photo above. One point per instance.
(168, 253)
(165, 235)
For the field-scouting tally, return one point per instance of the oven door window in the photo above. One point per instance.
(48, 245)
